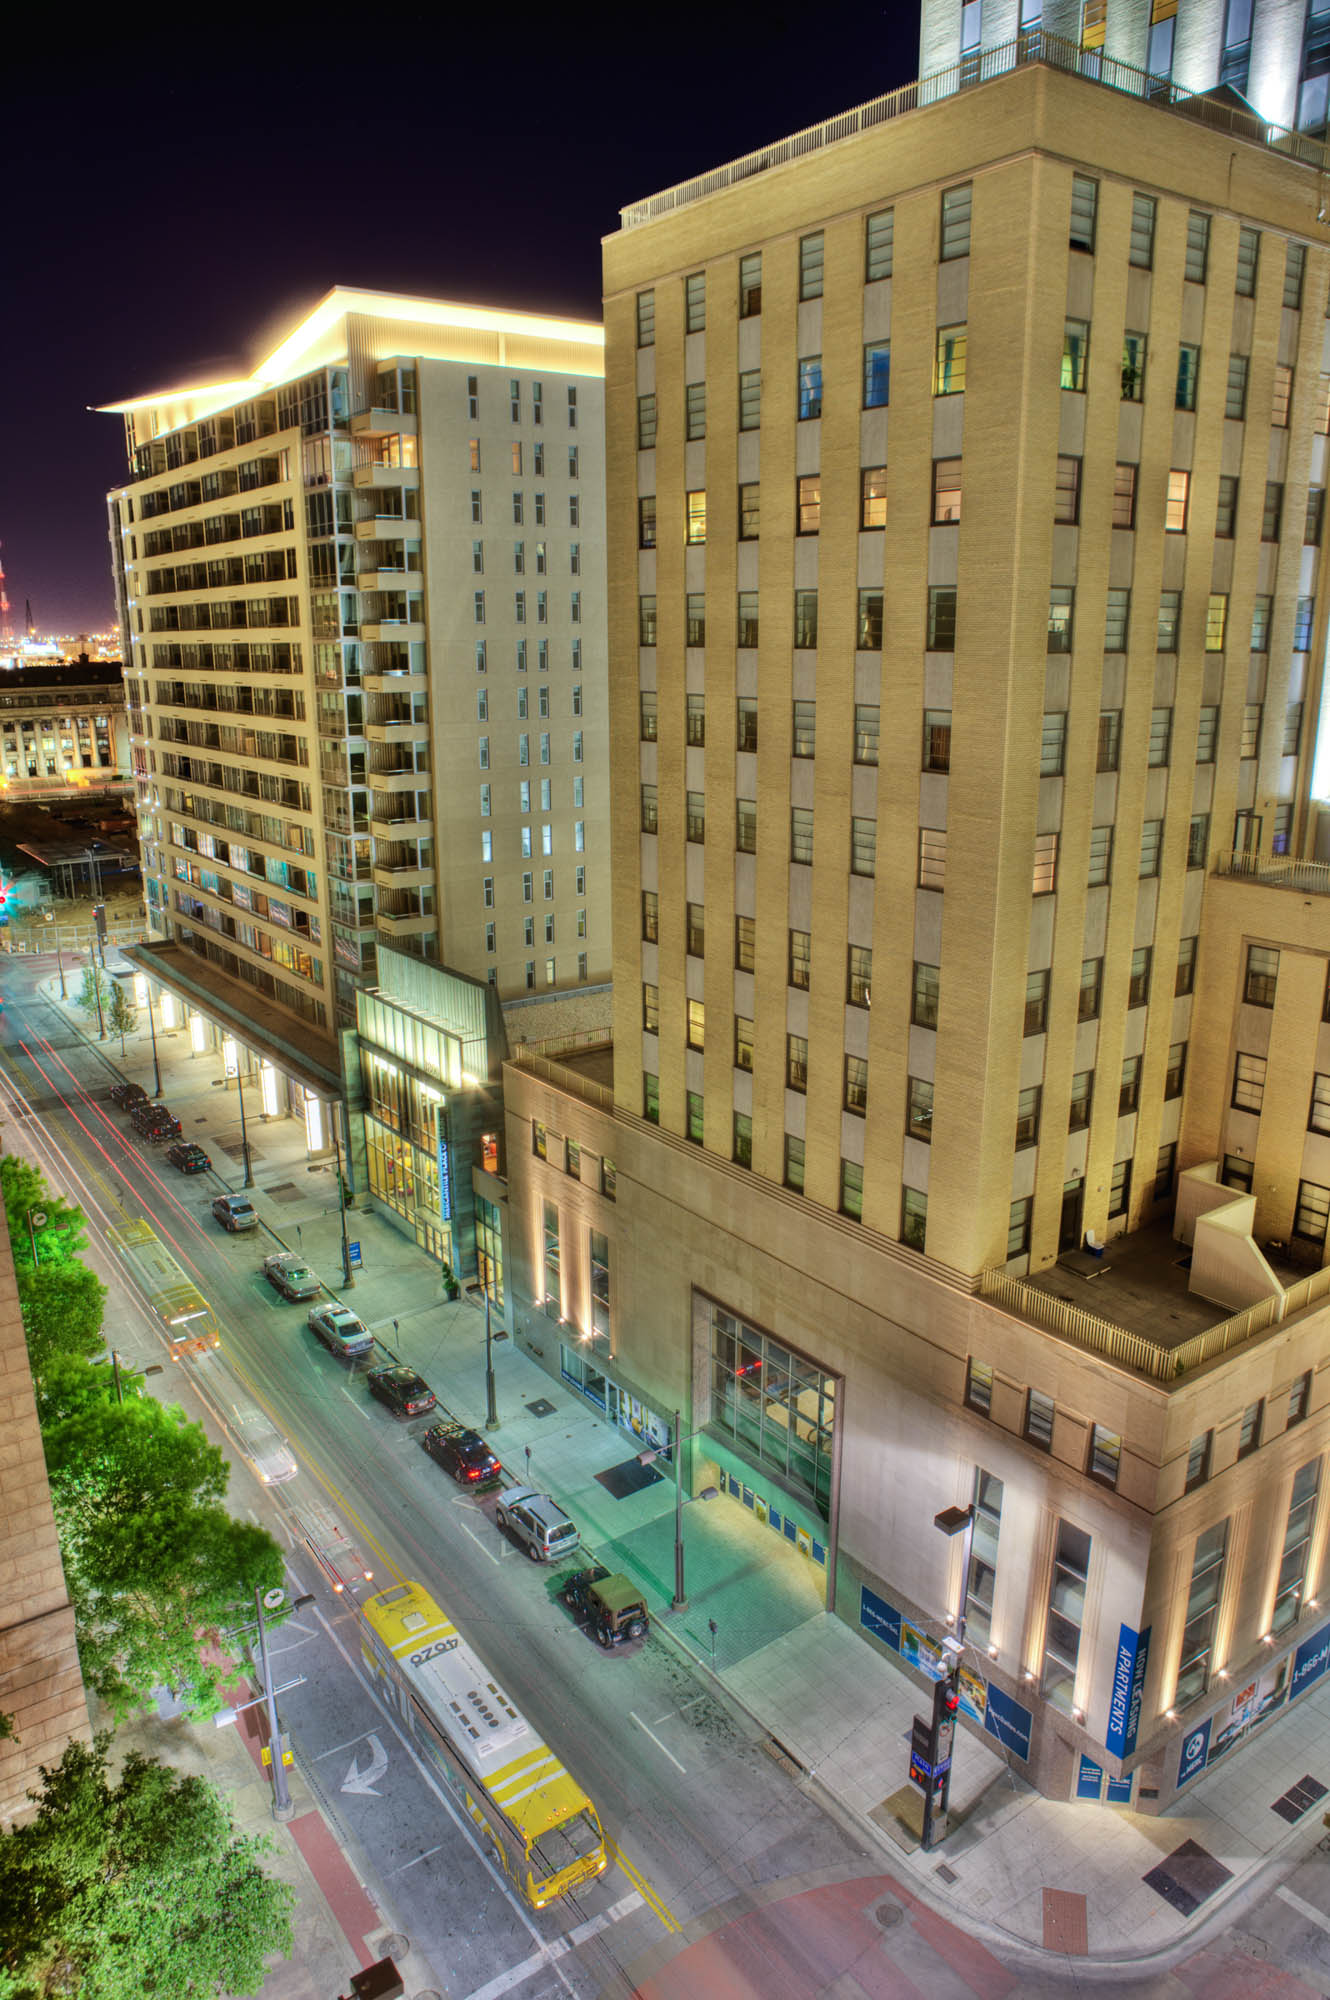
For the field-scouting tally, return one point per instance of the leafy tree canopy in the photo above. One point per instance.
(138, 1886)
(154, 1563)
(62, 1307)
(61, 1238)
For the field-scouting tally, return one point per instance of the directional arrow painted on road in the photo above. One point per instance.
(357, 1780)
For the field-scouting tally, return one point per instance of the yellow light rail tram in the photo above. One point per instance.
(180, 1306)
(530, 1816)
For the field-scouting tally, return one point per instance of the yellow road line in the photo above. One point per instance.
(640, 1883)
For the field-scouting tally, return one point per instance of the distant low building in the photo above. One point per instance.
(63, 729)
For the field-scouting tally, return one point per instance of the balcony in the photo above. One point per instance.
(1277, 871)
(400, 778)
(382, 423)
(410, 729)
(381, 578)
(388, 528)
(368, 477)
(409, 876)
(401, 631)
(394, 680)
(413, 825)
(405, 923)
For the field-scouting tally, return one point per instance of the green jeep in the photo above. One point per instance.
(613, 1607)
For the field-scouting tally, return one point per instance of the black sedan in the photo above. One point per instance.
(127, 1095)
(190, 1159)
(405, 1393)
(463, 1453)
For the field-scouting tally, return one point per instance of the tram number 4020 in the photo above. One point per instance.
(440, 1646)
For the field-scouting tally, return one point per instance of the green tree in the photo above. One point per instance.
(137, 1886)
(156, 1567)
(93, 996)
(62, 1307)
(60, 1239)
(122, 1016)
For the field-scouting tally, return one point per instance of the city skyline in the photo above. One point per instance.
(460, 222)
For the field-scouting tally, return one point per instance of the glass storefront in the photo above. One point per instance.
(405, 1177)
(779, 1407)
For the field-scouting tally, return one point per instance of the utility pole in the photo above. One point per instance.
(244, 1135)
(282, 1807)
(156, 1066)
(348, 1276)
(680, 1595)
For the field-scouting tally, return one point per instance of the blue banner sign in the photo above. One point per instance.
(445, 1170)
(883, 1620)
(1310, 1661)
(1124, 1708)
(1089, 1779)
(1009, 1722)
(1195, 1748)
(353, 1255)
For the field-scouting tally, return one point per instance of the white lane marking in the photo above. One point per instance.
(656, 1740)
(356, 1406)
(1308, 1910)
(366, 1781)
(338, 1748)
(419, 1857)
(479, 1544)
(516, 1975)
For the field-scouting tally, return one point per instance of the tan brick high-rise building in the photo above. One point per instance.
(966, 467)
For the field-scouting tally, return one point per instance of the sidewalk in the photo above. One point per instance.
(1018, 1870)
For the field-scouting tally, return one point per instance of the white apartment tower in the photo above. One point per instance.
(362, 594)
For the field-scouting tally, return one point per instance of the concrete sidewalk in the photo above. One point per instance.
(1025, 1873)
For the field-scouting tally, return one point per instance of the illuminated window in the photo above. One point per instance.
(949, 365)
(1175, 503)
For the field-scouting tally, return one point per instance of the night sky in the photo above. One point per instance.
(178, 199)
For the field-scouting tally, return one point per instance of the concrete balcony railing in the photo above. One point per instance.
(388, 528)
(382, 423)
(370, 476)
(405, 823)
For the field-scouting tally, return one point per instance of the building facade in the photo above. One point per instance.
(1274, 55)
(63, 730)
(968, 633)
(363, 597)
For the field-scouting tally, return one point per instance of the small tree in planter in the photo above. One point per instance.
(122, 1015)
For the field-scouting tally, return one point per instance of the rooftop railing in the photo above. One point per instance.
(1309, 878)
(1035, 45)
(1137, 1350)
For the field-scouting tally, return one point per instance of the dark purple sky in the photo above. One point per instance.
(173, 197)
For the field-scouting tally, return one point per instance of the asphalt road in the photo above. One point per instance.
(698, 1813)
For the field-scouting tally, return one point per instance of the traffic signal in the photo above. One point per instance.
(951, 1699)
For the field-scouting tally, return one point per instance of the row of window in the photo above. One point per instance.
(515, 401)
(529, 931)
(954, 242)
(524, 748)
(936, 751)
(519, 508)
(539, 468)
(551, 972)
(520, 661)
(950, 374)
(483, 702)
(573, 1157)
(528, 886)
(525, 799)
(932, 843)
(542, 607)
(541, 554)
(940, 625)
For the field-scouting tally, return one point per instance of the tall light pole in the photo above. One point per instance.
(677, 1442)
(138, 1372)
(282, 1807)
(244, 1135)
(491, 1401)
(348, 1277)
(36, 1218)
(152, 1029)
(946, 1690)
(60, 964)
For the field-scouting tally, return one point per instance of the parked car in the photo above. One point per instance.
(405, 1393)
(127, 1094)
(537, 1522)
(291, 1275)
(464, 1453)
(612, 1607)
(154, 1121)
(235, 1212)
(190, 1159)
(340, 1331)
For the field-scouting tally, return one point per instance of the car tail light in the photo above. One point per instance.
(472, 1473)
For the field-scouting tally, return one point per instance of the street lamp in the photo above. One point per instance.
(348, 1278)
(36, 1219)
(946, 1690)
(244, 1135)
(677, 1442)
(281, 1797)
(138, 1372)
(491, 1401)
(152, 1029)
